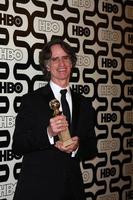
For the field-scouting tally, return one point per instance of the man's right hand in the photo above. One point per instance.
(57, 124)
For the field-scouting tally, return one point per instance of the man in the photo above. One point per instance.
(51, 170)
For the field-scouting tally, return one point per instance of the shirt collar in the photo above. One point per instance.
(57, 88)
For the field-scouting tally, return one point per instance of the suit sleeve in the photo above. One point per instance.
(30, 134)
(86, 131)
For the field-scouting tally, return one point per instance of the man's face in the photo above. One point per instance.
(60, 65)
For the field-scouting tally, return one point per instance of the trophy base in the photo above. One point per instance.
(67, 142)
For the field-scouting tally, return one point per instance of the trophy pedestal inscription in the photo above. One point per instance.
(64, 136)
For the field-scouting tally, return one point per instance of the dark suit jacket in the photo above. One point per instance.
(45, 170)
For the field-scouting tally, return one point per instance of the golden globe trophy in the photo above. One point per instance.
(64, 136)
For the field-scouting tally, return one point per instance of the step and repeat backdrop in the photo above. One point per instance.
(101, 31)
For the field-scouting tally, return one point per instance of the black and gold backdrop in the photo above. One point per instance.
(102, 34)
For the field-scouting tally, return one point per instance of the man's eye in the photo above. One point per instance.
(55, 59)
(65, 57)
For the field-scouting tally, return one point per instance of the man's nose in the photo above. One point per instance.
(61, 61)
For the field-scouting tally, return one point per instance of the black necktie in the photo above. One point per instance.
(65, 106)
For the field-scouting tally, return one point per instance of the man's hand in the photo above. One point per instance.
(57, 124)
(70, 148)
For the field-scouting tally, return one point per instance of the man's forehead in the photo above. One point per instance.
(57, 50)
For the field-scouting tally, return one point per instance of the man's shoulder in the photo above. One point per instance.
(82, 101)
(80, 96)
(35, 94)
(32, 93)
(37, 91)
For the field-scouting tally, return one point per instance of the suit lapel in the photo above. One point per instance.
(48, 96)
(75, 112)
(47, 93)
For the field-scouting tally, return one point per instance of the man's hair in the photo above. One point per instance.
(45, 55)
